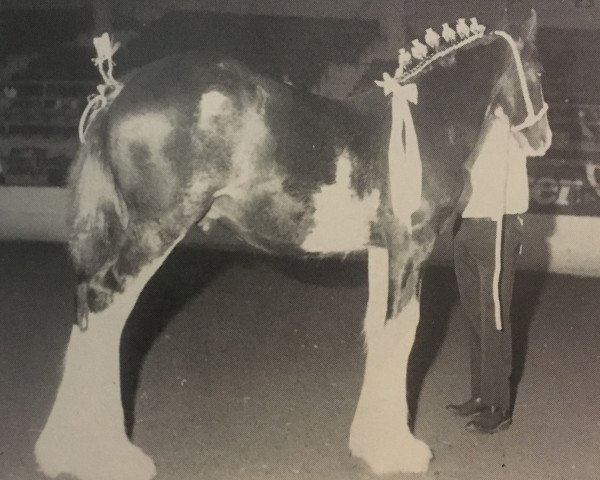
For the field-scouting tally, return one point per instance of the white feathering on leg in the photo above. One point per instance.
(379, 433)
(85, 434)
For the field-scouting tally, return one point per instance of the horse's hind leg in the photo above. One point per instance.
(85, 434)
(380, 434)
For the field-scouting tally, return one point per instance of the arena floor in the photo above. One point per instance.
(251, 369)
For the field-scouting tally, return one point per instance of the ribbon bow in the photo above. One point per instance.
(406, 171)
(105, 50)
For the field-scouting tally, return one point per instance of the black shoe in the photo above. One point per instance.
(491, 420)
(470, 408)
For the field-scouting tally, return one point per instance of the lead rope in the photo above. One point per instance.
(497, 273)
(531, 119)
(498, 244)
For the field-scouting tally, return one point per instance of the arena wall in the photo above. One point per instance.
(555, 243)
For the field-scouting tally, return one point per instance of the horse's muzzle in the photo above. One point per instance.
(535, 140)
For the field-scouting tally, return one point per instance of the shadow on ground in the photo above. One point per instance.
(252, 369)
(185, 273)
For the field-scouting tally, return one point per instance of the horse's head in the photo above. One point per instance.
(520, 88)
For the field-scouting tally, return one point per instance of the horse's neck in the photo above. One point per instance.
(370, 104)
(372, 111)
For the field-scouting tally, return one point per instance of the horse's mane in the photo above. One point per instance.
(466, 76)
(443, 59)
(448, 68)
(456, 85)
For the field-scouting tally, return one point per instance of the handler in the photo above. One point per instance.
(486, 247)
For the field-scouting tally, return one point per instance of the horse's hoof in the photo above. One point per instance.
(91, 459)
(404, 454)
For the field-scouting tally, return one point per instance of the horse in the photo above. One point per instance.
(187, 142)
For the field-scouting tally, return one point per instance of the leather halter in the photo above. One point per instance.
(532, 117)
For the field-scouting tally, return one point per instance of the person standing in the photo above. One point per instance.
(487, 244)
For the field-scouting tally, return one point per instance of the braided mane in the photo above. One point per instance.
(439, 50)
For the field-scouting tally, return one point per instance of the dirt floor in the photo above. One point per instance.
(250, 368)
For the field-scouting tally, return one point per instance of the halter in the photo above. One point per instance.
(532, 117)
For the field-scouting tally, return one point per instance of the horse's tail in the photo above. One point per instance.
(98, 219)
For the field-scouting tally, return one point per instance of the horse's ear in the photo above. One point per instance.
(529, 28)
(504, 23)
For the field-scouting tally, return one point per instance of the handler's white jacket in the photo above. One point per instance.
(499, 174)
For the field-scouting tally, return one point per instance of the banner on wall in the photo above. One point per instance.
(567, 180)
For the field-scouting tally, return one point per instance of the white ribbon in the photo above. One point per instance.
(405, 169)
(105, 50)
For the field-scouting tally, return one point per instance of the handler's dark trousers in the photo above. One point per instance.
(491, 350)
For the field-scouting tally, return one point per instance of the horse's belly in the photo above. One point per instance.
(332, 221)
(341, 223)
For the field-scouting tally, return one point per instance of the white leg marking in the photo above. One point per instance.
(379, 433)
(378, 268)
(85, 434)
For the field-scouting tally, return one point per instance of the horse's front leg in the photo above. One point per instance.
(380, 434)
(85, 434)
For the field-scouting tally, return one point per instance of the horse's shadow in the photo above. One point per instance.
(185, 273)
(188, 271)
(438, 294)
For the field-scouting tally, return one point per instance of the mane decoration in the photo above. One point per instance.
(417, 59)
(107, 91)
(404, 158)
